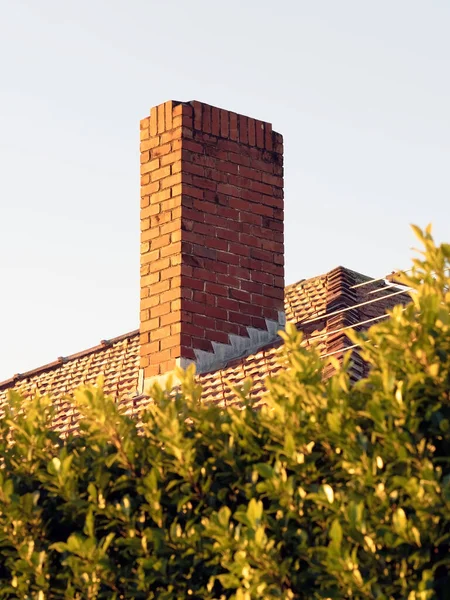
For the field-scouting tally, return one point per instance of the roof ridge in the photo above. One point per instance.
(327, 274)
(64, 359)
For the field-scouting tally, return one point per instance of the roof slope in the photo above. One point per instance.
(322, 307)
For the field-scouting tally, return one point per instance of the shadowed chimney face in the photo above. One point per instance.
(212, 254)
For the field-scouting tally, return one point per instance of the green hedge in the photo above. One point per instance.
(331, 490)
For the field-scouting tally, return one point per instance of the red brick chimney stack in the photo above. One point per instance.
(212, 254)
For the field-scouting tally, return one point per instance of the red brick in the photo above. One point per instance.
(171, 249)
(242, 206)
(177, 110)
(228, 234)
(203, 183)
(159, 357)
(145, 201)
(273, 292)
(227, 327)
(263, 210)
(228, 303)
(249, 309)
(262, 161)
(251, 286)
(240, 295)
(172, 158)
(259, 128)
(149, 325)
(167, 297)
(272, 246)
(224, 123)
(216, 289)
(151, 279)
(194, 330)
(159, 242)
(171, 136)
(239, 159)
(202, 344)
(150, 348)
(194, 283)
(172, 180)
(170, 341)
(215, 121)
(192, 216)
(204, 322)
(150, 211)
(237, 271)
(217, 220)
(251, 132)
(160, 173)
(243, 129)
(193, 146)
(168, 114)
(260, 300)
(172, 225)
(149, 189)
(249, 217)
(170, 318)
(161, 150)
(202, 297)
(263, 188)
(218, 244)
(250, 173)
(261, 254)
(206, 118)
(229, 190)
(228, 167)
(193, 168)
(274, 180)
(150, 234)
(250, 240)
(219, 337)
(234, 135)
(154, 121)
(197, 115)
(161, 118)
(239, 318)
(216, 175)
(227, 257)
(215, 312)
(149, 144)
(146, 300)
(278, 259)
(268, 136)
(192, 307)
(204, 251)
(259, 323)
(159, 310)
(239, 249)
(192, 191)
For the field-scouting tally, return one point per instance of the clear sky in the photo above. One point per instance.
(360, 91)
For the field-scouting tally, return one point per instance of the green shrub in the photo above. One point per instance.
(331, 490)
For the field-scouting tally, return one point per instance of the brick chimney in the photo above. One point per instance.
(212, 254)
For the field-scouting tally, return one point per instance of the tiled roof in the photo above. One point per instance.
(306, 299)
(315, 305)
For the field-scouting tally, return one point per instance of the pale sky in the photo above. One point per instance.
(360, 91)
